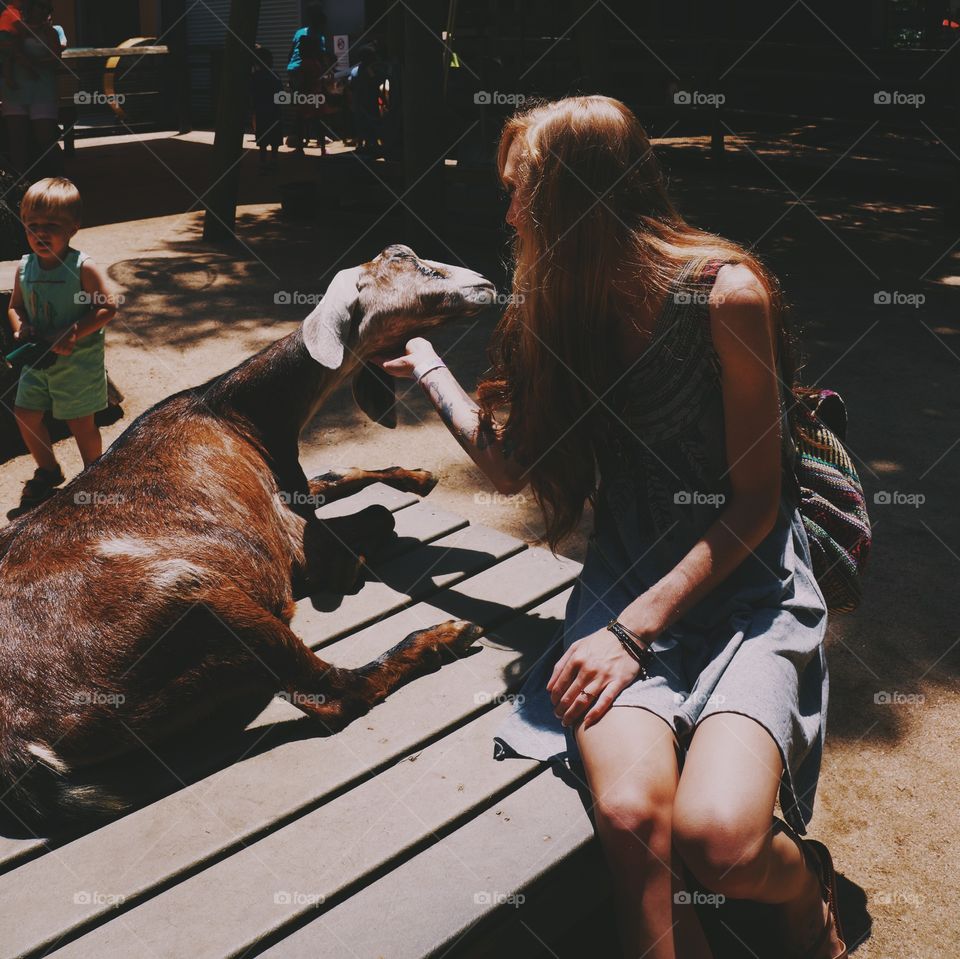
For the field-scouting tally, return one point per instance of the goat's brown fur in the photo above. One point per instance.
(162, 579)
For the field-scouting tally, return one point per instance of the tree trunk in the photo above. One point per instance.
(220, 218)
(424, 129)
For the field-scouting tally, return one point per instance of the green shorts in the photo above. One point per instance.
(74, 386)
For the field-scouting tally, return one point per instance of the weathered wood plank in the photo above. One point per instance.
(176, 835)
(376, 494)
(481, 867)
(290, 874)
(400, 581)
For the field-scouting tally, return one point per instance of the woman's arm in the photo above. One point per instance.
(460, 414)
(743, 337)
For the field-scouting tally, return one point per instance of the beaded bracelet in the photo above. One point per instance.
(629, 641)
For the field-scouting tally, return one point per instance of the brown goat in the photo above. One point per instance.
(162, 579)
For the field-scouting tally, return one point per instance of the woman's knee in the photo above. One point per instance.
(724, 851)
(635, 816)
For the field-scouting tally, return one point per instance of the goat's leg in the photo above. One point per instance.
(347, 694)
(336, 550)
(332, 694)
(335, 484)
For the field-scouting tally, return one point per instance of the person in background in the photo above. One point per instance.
(265, 89)
(62, 300)
(312, 41)
(31, 48)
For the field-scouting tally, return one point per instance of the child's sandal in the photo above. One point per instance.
(42, 483)
(39, 488)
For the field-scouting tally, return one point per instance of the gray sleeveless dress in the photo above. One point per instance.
(754, 645)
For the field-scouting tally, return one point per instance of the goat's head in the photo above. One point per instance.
(372, 310)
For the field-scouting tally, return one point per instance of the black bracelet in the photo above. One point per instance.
(628, 640)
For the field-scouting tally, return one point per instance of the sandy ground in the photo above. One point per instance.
(887, 797)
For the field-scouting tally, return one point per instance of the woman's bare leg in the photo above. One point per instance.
(723, 824)
(631, 765)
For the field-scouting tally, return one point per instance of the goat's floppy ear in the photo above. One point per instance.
(326, 329)
(375, 391)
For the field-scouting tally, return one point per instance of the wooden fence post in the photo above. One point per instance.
(220, 219)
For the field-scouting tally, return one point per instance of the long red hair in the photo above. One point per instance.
(598, 242)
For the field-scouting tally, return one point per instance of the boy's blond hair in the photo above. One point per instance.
(56, 197)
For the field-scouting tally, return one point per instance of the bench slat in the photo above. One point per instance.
(292, 872)
(463, 878)
(400, 581)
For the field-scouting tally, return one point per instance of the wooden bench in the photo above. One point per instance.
(400, 836)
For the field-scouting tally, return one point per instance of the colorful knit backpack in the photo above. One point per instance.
(832, 504)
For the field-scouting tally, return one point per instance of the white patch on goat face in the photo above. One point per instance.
(125, 546)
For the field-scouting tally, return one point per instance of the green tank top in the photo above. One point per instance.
(54, 299)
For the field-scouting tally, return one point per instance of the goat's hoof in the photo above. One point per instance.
(417, 481)
(450, 640)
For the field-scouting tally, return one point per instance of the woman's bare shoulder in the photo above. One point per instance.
(738, 285)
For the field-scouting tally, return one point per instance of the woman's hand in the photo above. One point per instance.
(64, 344)
(419, 353)
(598, 665)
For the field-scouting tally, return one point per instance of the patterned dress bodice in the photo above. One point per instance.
(662, 458)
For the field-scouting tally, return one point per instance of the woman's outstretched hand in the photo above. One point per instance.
(419, 354)
(597, 665)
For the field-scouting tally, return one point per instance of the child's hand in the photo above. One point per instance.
(66, 341)
(24, 334)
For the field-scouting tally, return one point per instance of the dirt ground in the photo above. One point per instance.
(887, 797)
